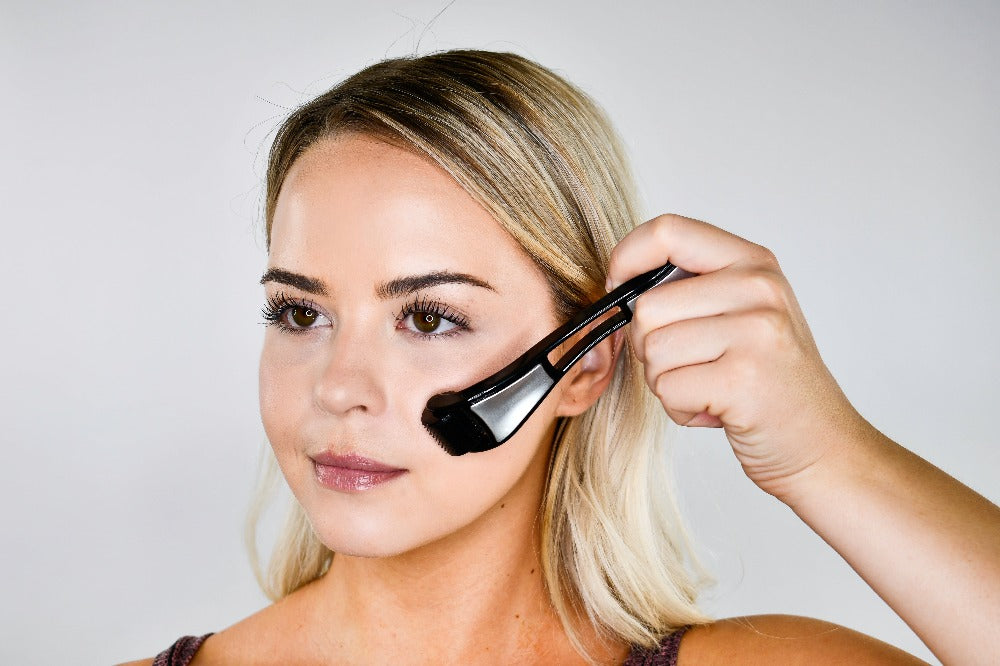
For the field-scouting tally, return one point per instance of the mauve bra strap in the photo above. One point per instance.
(665, 653)
(181, 652)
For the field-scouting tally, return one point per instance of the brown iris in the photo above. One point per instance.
(426, 322)
(303, 317)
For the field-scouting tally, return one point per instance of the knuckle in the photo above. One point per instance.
(665, 228)
(765, 256)
(652, 352)
(638, 344)
(767, 286)
(769, 324)
(652, 379)
(659, 386)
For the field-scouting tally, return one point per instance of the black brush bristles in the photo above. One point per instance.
(455, 426)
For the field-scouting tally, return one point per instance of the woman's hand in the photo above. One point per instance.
(730, 348)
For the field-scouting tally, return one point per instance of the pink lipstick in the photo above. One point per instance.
(352, 473)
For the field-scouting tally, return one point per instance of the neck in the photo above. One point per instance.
(485, 583)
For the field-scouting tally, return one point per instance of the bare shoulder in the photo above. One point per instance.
(785, 639)
(252, 640)
(261, 638)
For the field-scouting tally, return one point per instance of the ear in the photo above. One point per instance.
(589, 378)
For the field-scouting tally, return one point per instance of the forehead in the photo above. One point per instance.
(353, 201)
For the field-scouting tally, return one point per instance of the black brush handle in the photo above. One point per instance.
(538, 354)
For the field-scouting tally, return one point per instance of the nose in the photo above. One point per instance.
(350, 380)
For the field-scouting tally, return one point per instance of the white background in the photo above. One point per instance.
(859, 141)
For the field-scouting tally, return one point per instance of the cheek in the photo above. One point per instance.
(283, 397)
(479, 479)
(453, 492)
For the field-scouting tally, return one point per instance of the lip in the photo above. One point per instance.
(352, 473)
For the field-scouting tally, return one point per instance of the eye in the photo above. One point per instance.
(431, 319)
(302, 317)
(290, 314)
(430, 322)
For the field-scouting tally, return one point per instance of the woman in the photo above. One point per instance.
(430, 219)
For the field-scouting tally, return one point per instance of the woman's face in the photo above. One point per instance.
(387, 284)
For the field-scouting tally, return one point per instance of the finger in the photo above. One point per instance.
(700, 366)
(698, 342)
(684, 343)
(693, 245)
(695, 395)
(711, 294)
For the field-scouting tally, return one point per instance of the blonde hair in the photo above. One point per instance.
(543, 159)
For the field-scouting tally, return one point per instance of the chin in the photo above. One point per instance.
(358, 537)
(377, 535)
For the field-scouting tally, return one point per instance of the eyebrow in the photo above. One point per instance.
(394, 288)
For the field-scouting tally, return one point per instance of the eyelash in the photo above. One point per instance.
(277, 305)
